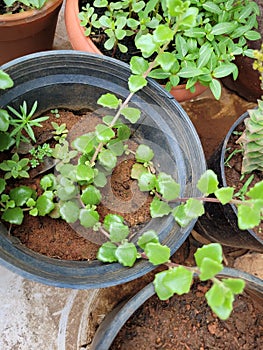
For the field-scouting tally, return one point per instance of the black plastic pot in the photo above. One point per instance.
(75, 80)
(115, 320)
(219, 223)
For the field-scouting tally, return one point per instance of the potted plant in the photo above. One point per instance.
(184, 320)
(27, 27)
(239, 157)
(201, 54)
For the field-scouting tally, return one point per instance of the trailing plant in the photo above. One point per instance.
(72, 191)
(204, 51)
(252, 138)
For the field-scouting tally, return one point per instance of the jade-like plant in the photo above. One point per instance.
(204, 52)
(72, 191)
(13, 5)
(252, 137)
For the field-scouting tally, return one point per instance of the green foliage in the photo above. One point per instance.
(6, 81)
(201, 38)
(37, 4)
(39, 153)
(15, 167)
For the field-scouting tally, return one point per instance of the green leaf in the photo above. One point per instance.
(138, 170)
(123, 132)
(159, 208)
(84, 172)
(88, 217)
(13, 216)
(223, 28)
(208, 182)
(220, 303)
(215, 88)
(163, 292)
(146, 44)
(106, 252)
(2, 185)
(104, 133)
(144, 154)
(212, 251)
(252, 35)
(110, 219)
(163, 34)
(84, 143)
(109, 100)
(236, 285)
(69, 212)
(136, 83)
(248, 216)
(100, 179)
(157, 253)
(44, 205)
(147, 237)
(118, 231)
(209, 268)
(6, 141)
(91, 195)
(224, 194)
(224, 70)
(147, 182)
(21, 194)
(138, 65)
(4, 120)
(131, 114)
(180, 216)
(126, 254)
(167, 186)
(190, 72)
(256, 192)
(107, 159)
(194, 208)
(5, 81)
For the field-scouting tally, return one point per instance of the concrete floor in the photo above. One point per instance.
(39, 317)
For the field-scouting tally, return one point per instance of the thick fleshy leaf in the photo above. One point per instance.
(224, 194)
(106, 252)
(131, 114)
(138, 170)
(163, 292)
(5, 80)
(109, 100)
(69, 212)
(4, 120)
(147, 182)
(104, 133)
(215, 88)
(44, 205)
(147, 237)
(157, 253)
(91, 195)
(146, 44)
(110, 219)
(107, 159)
(159, 208)
(88, 217)
(2, 185)
(180, 216)
(220, 303)
(118, 231)
(126, 254)
(162, 34)
(84, 172)
(85, 143)
(256, 192)
(212, 251)
(13, 216)
(209, 268)
(6, 141)
(136, 83)
(193, 208)
(144, 154)
(249, 216)
(167, 186)
(21, 194)
(138, 65)
(208, 182)
(236, 285)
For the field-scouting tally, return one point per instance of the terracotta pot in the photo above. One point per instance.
(29, 31)
(247, 84)
(81, 42)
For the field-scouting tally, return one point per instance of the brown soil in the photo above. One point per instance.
(15, 8)
(186, 322)
(57, 239)
(233, 170)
